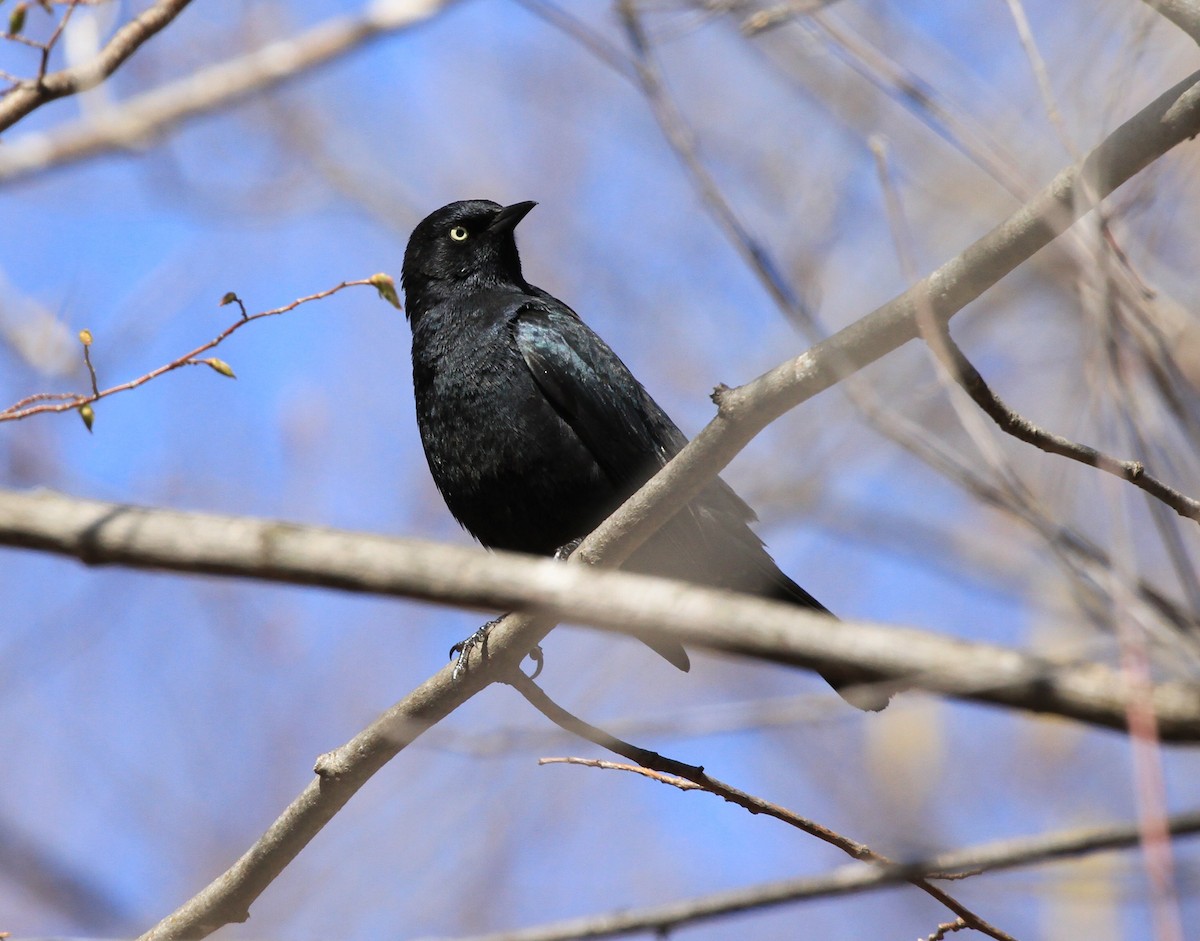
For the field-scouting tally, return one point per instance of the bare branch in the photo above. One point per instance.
(31, 94)
(679, 137)
(1172, 118)
(756, 805)
(845, 880)
(1025, 32)
(42, 402)
(1020, 427)
(936, 333)
(661, 777)
(142, 118)
(105, 533)
(1183, 13)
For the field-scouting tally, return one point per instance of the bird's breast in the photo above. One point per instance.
(510, 469)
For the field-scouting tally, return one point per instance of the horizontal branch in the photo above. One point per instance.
(145, 117)
(845, 880)
(106, 533)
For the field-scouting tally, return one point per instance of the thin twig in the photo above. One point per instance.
(1150, 790)
(23, 40)
(661, 777)
(848, 879)
(43, 402)
(42, 397)
(587, 37)
(902, 240)
(947, 928)
(1015, 424)
(678, 135)
(756, 805)
(1037, 64)
(87, 361)
(53, 40)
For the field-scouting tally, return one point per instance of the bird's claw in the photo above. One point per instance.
(562, 553)
(539, 659)
(464, 648)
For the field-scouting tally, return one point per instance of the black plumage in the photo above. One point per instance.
(534, 429)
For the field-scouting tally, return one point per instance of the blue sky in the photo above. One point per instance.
(155, 724)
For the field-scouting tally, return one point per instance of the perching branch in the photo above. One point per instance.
(31, 94)
(340, 774)
(101, 533)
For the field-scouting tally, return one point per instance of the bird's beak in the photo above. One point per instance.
(507, 218)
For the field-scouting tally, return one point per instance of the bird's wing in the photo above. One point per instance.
(628, 433)
(591, 390)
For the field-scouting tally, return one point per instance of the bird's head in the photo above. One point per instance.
(468, 241)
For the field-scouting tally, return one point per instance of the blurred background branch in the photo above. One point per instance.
(24, 96)
(848, 880)
(139, 121)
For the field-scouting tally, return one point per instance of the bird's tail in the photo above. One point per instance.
(859, 688)
(670, 651)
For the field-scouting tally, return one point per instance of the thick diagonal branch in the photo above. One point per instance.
(743, 412)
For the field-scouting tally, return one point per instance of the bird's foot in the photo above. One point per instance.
(563, 552)
(539, 660)
(464, 648)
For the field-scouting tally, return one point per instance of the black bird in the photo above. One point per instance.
(535, 431)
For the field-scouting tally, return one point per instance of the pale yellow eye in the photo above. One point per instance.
(458, 233)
